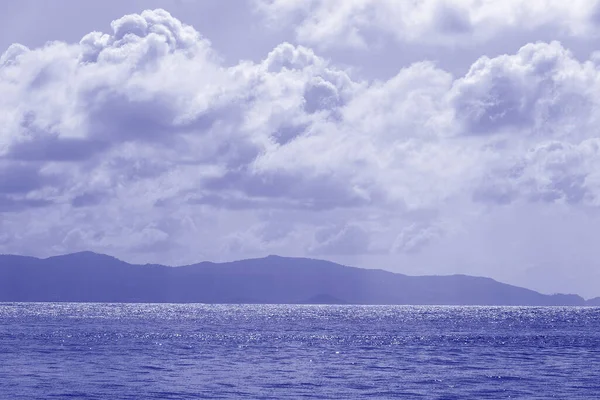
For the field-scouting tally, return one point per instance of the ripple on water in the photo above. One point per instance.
(180, 351)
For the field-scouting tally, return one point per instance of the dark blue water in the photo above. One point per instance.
(94, 351)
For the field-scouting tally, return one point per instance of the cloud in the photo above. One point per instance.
(355, 23)
(87, 199)
(142, 143)
(415, 237)
(154, 104)
(348, 239)
(11, 55)
(12, 204)
(551, 171)
(539, 89)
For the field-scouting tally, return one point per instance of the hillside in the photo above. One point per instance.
(90, 277)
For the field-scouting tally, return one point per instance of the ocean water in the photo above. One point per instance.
(149, 351)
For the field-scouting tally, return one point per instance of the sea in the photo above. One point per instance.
(196, 351)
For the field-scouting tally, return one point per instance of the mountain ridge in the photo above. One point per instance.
(94, 277)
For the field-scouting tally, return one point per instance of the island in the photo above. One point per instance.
(92, 277)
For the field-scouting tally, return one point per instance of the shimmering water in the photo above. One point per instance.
(118, 351)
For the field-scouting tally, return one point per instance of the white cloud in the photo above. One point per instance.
(355, 23)
(542, 88)
(141, 143)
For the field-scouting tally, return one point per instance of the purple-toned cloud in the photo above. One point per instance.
(143, 143)
(325, 23)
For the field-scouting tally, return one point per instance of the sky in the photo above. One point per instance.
(422, 137)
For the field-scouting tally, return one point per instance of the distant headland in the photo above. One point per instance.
(91, 277)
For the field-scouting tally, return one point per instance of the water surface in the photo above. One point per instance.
(148, 351)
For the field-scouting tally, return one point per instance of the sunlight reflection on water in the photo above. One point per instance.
(180, 351)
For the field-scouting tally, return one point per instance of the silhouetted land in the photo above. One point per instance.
(90, 277)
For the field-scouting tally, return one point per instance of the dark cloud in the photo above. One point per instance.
(44, 143)
(21, 179)
(288, 132)
(54, 148)
(117, 117)
(314, 193)
(132, 169)
(12, 204)
(88, 199)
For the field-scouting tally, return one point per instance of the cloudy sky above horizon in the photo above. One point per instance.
(423, 137)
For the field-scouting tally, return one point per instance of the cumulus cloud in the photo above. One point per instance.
(327, 23)
(542, 88)
(142, 143)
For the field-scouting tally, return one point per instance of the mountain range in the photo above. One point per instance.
(91, 277)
